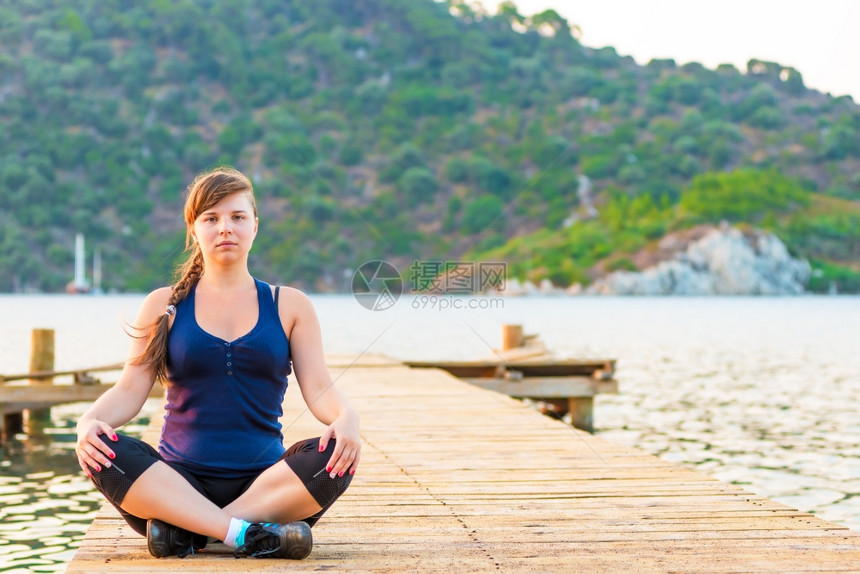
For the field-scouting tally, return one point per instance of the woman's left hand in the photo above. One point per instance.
(347, 450)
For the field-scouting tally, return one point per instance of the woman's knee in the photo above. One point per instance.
(131, 458)
(305, 459)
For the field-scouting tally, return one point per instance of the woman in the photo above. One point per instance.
(221, 342)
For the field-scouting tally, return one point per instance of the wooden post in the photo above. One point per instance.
(42, 353)
(581, 411)
(13, 423)
(512, 336)
(41, 359)
(10, 423)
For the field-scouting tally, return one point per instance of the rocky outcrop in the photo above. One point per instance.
(515, 288)
(723, 261)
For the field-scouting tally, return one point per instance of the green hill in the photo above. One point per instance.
(396, 129)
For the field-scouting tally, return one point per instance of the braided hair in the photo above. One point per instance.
(207, 189)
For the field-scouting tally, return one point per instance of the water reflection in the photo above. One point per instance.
(46, 502)
(780, 424)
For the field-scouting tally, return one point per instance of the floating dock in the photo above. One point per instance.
(34, 393)
(455, 478)
(44, 391)
(524, 368)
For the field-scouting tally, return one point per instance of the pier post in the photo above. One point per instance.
(11, 423)
(581, 411)
(512, 337)
(41, 359)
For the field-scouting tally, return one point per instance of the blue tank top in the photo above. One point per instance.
(224, 399)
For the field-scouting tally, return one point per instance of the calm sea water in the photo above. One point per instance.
(761, 392)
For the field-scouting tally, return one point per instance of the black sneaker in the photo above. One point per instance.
(163, 539)
(272, 540)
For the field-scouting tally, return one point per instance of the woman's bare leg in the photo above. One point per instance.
(277, 495)
(163, 493)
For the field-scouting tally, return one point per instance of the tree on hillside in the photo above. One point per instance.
(347, 113)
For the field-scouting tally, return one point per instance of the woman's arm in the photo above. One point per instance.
(123, 401)
(324, 400)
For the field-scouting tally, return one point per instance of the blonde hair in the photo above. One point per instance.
(207, 189)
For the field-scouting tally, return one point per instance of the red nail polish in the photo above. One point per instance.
(115, 437)
(321, 448)
(98, 469)
(112, 455)
(328, 469)
(340, 473)
(352, 472)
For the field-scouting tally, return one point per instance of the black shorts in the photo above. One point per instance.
(134, 457)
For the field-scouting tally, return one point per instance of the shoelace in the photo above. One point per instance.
(186, 546)
(263, 542)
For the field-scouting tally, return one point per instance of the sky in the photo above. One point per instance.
(819, 38)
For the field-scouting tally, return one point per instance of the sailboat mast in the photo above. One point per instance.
(97, 270)
(80, 277)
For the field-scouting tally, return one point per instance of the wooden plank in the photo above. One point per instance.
(546, 387)
(54, 374)
(337, 362)
(456, 478)
(536, 367)
(20, 396)
(531, 351)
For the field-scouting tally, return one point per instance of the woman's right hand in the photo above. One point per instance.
(91, 450)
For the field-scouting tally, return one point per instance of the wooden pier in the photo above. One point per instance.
(524, 368)
(563, 386)
(455, 478)
(29, 396)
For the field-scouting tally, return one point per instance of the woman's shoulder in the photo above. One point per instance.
(155, 303)
(292, 292)
(290, 297)
(292, 301)
(293, 306)
(159, 296)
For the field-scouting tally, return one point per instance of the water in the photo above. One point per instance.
(761, 392)
(46, 503)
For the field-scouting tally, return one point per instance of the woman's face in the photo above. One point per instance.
(226, 231)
